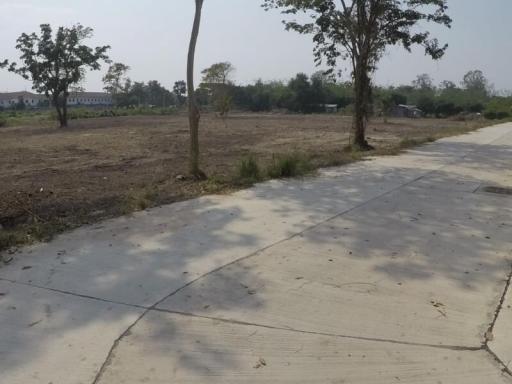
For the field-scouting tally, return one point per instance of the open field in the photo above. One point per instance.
(52, 179)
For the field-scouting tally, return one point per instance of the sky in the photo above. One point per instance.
(151, 36)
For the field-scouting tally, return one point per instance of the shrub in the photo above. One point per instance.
(248, 170)
(138, 200)
(289, 165)
(3, 122)
(413, 142)
(500, 115)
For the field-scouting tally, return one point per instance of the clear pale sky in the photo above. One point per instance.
(151, 36)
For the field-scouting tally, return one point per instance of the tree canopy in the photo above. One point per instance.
(218, 73)
(360, 31)
(216, 81)
(115, 78)
(180, 91)
(56, 63)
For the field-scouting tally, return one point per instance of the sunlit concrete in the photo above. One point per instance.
(389, 270)
(174, 349)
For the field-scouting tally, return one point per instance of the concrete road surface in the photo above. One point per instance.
(394, 270)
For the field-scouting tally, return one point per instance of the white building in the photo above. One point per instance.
(89, 99)
(13, 99)
(75, 99)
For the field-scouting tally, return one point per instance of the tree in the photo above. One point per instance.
(193, 109)
(218, 73)
(217, 80)
(180, 91)
(157, 95)
(303, 99)
(476, 83)
(447, 85)
(360, 31)
(115, 80)
(54, 64)
(423, 82)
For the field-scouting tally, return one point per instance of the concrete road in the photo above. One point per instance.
(394, 270)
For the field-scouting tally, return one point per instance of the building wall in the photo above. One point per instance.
(89, 100)
(75, 99)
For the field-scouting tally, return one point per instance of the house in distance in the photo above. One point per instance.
(24, 99)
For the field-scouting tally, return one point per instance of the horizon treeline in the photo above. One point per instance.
(309, 94)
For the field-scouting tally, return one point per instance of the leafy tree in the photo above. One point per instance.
(217, 80)
(423, 82)
(427, 104)
(56, 63)
(157, 95)
(193, 108)
(360, 31)
(218, 73)
(260, 97)
(301, 89)
(476, 83)
(447, 85)
(180, 91)
(137, 94)
(115, 80)
(499, 108)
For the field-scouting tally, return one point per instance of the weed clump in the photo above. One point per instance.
(289, 165)
(248, 171)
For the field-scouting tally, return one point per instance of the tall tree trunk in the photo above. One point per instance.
(56, 104)
(362, 95)
(193, 109)
(64, 111)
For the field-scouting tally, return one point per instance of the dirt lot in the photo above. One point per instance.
(54, 179)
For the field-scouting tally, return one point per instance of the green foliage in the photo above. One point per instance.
(16, 118)
(140, 94)
(248, 170)
(413, 142)
(55, 64)
(180, 91)
(443, 101)
(476, 83)
(217, 86)
(86, 113)
(218, 73)
(360, 31)
(115, 79)
(289, 165)
(138, 199)
(30, 233)
(499, 108)
(301, 94)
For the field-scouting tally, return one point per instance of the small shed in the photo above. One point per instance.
(331, 108)
(410, 111)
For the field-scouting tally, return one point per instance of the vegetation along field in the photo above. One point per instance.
(53, 179)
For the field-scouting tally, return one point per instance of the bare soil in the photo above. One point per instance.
(53, 179)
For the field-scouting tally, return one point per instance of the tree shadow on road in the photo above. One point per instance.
(347, 220)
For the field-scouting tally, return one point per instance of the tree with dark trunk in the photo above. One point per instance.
(115, 80)
(54, 64)
(180, 91)
(193, 108)
(360, 31)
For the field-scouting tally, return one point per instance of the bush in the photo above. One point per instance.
(138, 200)
(3, 122)
(414, 142)
(248, 170)
(289, 165)
(500, 115)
